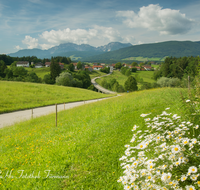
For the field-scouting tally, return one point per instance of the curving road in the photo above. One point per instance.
(100, 88)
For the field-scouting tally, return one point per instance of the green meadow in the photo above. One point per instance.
(83, 151)
(40, 72)
(24, 95)
(94, 74)
(145, 59)
(146, 75)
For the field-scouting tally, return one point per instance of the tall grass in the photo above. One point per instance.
(19, 95)
(84, 150)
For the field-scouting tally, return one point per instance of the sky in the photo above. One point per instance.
(28, 24)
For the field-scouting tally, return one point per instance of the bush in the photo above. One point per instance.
(47, 79)
(123, 70)
(134, 70)
(169, 82)
(105, 70)
(120, 88)
(65, 79)
(32, 77)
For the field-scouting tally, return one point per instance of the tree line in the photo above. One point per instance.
(9, 60)
(65, 77)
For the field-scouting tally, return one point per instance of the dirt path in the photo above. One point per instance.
(8, 119)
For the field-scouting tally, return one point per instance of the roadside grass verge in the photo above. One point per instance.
(84, 150)
(21, 95)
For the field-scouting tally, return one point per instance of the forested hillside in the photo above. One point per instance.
(157, 50)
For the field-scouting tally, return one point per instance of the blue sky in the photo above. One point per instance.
(27, 24)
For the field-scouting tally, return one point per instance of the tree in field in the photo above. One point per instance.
(65, 79)
(55, 69)
(134, 64)
(71, 67)
(118, 65)
(128, 72)
(47, 79)
(2, 68)
(79, 65)
(130, 84)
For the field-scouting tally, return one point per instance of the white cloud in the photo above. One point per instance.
(18, 47)
(31, 42)
(46, 46)
(80, 36)
(153, 17)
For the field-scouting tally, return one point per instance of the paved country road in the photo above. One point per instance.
(100, 88)
(7, 119)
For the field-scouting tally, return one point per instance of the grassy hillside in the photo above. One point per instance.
(146, 75)
(155, 50)
(20, 95)
(83, 151)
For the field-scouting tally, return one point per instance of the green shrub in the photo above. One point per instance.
(65, 79)
(130, 84)
(47, 79)
(169, 82)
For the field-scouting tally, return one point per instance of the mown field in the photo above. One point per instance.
(23, 95)
(146, 75)
(83, 151)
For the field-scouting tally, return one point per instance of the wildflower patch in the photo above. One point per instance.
(165, 156)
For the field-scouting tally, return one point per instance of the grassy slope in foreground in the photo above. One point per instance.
(23, 95)
(86, 145)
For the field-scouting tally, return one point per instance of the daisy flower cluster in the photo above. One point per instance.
(164, 155)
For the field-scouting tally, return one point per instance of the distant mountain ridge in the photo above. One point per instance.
(116, 51)
(69, 49)
(154, 50)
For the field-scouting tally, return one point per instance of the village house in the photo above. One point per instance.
(75, 66)
(138, 68)
(147, 67)
(111, 68)
(97, 67)
(22, 64)
(38, 65)
(88, 68)
(47, 64)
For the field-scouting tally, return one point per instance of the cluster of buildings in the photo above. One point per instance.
(37, 65)
(95, 66)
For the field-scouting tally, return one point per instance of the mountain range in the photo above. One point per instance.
(116, 51)
(70, 49)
